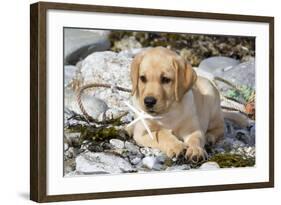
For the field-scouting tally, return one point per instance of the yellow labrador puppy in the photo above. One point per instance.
(165, 85)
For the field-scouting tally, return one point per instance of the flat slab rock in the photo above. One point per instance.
(229, 69)
(102, 163)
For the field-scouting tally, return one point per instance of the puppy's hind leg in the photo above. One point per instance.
(215, 134)
(215, 130)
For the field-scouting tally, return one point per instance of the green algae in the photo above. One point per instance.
(227, 160)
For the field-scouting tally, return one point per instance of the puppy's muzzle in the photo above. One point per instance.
(150, 101)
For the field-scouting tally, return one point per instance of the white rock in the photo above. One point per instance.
(116, 143)
(209, 166)
(71, 152)
(90, 163)
(66, 146)
(151, 163)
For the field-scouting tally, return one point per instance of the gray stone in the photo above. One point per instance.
(95, 163)
(72, 139)
(242, 74)
(79, 43)
(69, 166)
(147, 151)
(116, 143)
(72, 136)
(218, 64)
(230, 70)
(71, 152)
(132, 148)
(135, 160)
(93, 105)
(209, 166)
(245, 137)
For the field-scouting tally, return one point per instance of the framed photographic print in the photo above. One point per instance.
(134, 102)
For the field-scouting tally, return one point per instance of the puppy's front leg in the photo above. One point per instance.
(195, 151)
(163, 140)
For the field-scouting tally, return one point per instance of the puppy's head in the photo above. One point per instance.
(159, 78)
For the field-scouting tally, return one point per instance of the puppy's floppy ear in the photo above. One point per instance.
(135, 72)
(185, 77)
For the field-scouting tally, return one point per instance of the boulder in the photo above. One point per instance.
(229, 69)
(110, 68)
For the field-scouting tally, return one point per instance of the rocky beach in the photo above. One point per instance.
(105, 57)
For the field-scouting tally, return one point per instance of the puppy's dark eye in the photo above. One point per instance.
(143, 78)
(165, 80)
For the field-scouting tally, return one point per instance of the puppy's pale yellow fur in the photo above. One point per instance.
(189, 105)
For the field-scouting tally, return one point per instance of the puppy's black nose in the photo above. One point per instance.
(149, 101)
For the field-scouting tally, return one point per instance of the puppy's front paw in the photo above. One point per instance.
(195, 154)
(174, 149)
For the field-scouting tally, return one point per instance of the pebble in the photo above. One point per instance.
(135, 160)
(132, 148)
(117, 144)
(151, 163)
(66, 146)
(209, 166)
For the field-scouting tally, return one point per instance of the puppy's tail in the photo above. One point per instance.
(237, 117)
